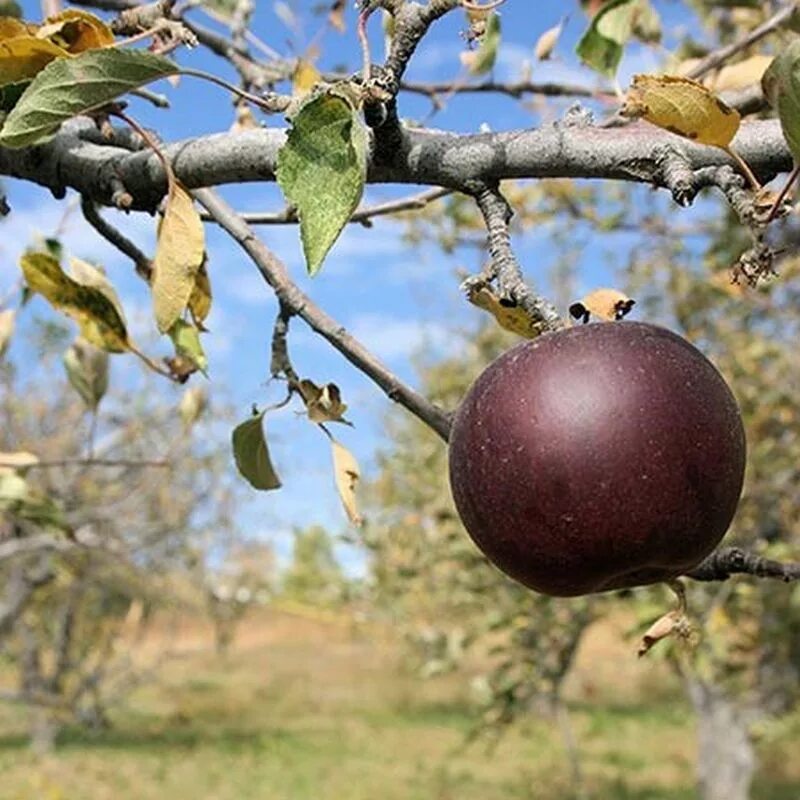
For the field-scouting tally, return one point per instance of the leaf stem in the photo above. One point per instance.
(744, 167)
(783, 192)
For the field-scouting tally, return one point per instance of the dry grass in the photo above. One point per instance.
(315, 708)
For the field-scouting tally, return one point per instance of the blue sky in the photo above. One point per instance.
(400, 302)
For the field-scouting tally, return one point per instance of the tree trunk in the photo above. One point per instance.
(44, 730)
(725, 758)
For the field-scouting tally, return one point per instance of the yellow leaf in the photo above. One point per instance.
(179, 254)
(683, 107)
(306, 77)
(323, 403)
(11, 28)
(547, 42)
(24, 56)
(76, 31)
(88, 275)
(739, 76)
(347, 474)
(97, 316)
(200, 298)
(608, 304)
(514, 319)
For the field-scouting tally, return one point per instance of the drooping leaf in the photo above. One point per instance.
(87, 371)
(252, 455)
(682, 106)
(186, 338)
(200, 298)
(601, 47)
(99, 321)
(179, 254)
(323, 403)
(7, 320)
(781, 84)
(24, 57)
(76, 31)
(336, 15)
(482, 60)
(322, 169)
(607, 304)
(67, 87)
(347, 475)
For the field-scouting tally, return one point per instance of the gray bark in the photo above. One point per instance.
(77, 158)
(726, 757)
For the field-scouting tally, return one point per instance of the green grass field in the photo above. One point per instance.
(309, 709)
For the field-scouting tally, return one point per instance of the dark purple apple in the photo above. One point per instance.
(599, 457)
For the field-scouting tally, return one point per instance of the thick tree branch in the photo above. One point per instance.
(427, 158)
(728, 561)
(290, 296)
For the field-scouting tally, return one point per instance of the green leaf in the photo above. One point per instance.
(67, 87)
(9, 8)
(87, 371)
(252, 456)
(11, 93)
(483, 59)
(97, 316)
(611, 27)
(186, 338)
(322, 169)
(781, 85)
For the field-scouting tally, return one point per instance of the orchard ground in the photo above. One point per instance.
(312, 705)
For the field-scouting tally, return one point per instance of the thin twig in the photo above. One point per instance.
(719, 57)
(724, 563)
(363, 215)
(276, 275)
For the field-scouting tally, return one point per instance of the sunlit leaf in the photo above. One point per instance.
(87, 371)
(12, 28)
(322, 169)
(252, 456)
(511, 318)
(606, 304)
(306, 76)
(67, 87)
(547, 42)
(193, 402)
(683, 107)
(347, 475)
(25, 56)
(21, 500)
(18, 460)
(323, 403)
(88, 275)
(76, 31)
(99, 321)
(179, 255)
(742, 74)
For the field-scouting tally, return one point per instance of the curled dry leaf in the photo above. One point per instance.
(681, 106)
(511, 318)
(323, 403)
(547, 42)
(23, 57)
(200, 298)
(87, 371)
(481, 61)
(192, 405)
(76, 31)
(607, 304)
(179, 256)
(336, 16)
(347, 475)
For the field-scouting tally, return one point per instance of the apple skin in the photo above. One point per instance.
(599, 457)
